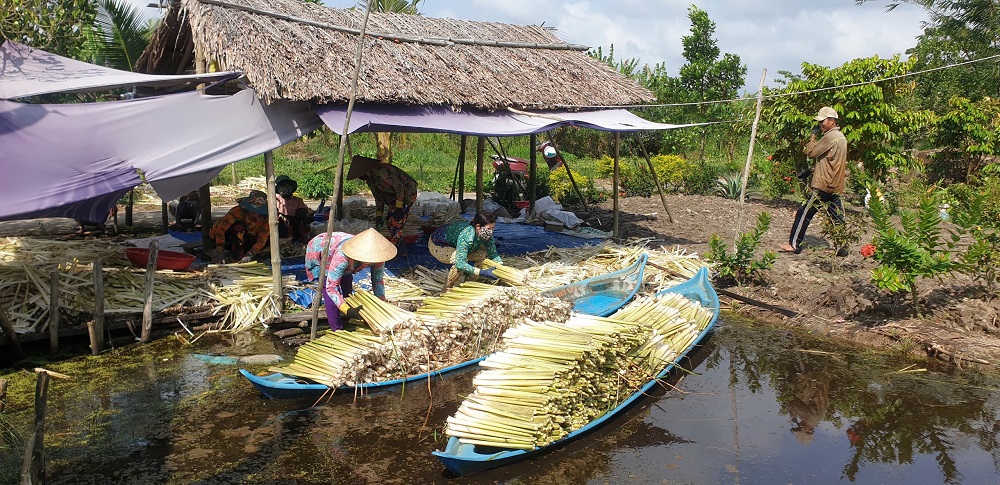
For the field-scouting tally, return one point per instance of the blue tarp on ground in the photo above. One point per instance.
(512, 239)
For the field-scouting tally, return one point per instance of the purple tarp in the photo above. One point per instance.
(425, 119)
(63, 156)
(25, 71)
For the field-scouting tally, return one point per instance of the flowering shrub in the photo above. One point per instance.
(868, 250)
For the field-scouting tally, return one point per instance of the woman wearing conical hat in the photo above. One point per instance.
(349, 254)
(390, 187)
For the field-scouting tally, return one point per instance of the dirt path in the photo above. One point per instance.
(831, 295)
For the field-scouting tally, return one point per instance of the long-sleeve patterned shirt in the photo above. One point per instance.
(391, 186)
(462, 236)
(339, 265)
(253, 223)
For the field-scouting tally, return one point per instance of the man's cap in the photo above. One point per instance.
(361, 166)
(826, 112)
(369, 247)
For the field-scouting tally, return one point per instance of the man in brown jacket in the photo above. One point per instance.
(830, 153)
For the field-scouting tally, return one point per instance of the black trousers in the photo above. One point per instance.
(804, 215)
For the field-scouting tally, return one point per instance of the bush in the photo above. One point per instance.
(561, 188)
(315, 186)
(741, 267)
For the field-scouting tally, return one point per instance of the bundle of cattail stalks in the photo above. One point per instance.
(463, 324)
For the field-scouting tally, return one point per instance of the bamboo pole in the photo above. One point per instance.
(8, 328)
(532, 169)
(656, 179)
(3, 395)
(325, 257)
(746, 167)
(33, 466)
(97, 339)
(128, 207)
(614, 186)
(54, 312)
(272, 222)
(204, 194)
(480, 154)
(576, 187)
(147, 307)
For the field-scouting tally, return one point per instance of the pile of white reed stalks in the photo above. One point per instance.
(508, 274)
(551, 379)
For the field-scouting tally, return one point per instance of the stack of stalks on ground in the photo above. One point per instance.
(551, 379)
(461, 325)
(511, 276)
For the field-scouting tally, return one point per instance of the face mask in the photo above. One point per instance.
(485, 233)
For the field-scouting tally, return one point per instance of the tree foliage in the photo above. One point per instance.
(392, 6)
(56, 26)
(118, 36)
(968, 137)
(873, 113)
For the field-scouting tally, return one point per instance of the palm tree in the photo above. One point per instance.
(118, 36)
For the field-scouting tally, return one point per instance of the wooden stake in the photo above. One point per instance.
(532, 168)
(164, 219)
(97, 338)
(33, 466)
(3, 394)
(746, 168)
(147, 307)
(8, 328)
(54, 312)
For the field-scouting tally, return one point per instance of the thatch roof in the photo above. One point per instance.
(300, 51)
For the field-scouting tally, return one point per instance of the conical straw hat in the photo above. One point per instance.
(369, 247)
(360, 166)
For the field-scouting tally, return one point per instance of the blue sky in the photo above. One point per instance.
(772, 34)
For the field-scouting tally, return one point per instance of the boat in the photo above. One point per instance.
(600, 296)
(604, 294)
(282, 386)
(463, 459)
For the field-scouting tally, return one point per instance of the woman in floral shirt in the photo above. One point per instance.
(349, 254)
(243, 231)
(461, 242)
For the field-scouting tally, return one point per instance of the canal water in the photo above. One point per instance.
(757, 405)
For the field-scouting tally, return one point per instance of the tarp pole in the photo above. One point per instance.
(461, 169)
(656, 179)
(324, 259)
(746, 167)
(480, 153)
(204, 194)
(272, 222)
(532, 168)
(614, 187)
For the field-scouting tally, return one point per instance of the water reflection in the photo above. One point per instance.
(760, 405)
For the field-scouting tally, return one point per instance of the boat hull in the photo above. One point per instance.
(281, 386)
(604, 294)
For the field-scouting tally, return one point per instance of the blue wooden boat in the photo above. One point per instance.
(463, 459)
(281, 386)
(604, 294)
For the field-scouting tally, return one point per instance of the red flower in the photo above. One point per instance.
(867, 250)
(769, 157)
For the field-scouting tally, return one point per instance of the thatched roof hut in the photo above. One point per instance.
(290, 49)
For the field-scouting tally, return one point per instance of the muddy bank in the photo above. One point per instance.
(830, 296)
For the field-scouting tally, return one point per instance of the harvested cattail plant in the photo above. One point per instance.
(507, 274)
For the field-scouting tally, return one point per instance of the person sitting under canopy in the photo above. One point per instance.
(462, 241)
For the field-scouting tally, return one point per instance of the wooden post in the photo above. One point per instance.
(128, 207)
(746, 168)
(164, 217)
(272, 221)
(480, 154)
(575, 187)
(54, 312)
(656, 180)
(147, 307)
(232, 170)
(33, 466)
(97, 337)
(461, 170)
(532, 168)
(614, 187)
(3, 394)
(205, 200)
(8, 328)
